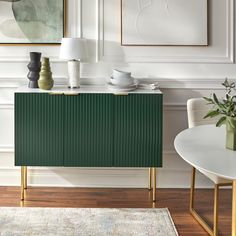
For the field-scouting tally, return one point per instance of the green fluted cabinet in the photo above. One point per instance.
(39, 122)
(88, 128)
(138, 130)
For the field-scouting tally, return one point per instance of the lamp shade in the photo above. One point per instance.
(73, 49)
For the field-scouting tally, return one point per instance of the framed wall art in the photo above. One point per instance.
(32, 21)
(164, 22)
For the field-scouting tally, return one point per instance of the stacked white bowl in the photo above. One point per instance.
(121, 78)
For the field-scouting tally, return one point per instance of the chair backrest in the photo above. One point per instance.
(197, 108)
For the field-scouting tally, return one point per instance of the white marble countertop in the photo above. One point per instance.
(62, 89)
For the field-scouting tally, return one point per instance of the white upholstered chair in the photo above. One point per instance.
(197, 109)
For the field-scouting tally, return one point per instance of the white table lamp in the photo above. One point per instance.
(74, 50)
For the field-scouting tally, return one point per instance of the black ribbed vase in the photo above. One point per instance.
(34, 68)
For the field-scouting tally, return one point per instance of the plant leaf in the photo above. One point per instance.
(223, 107)
(215, 99)
(211, 114)
(232, 85)
(226, 83)
(221, 121)
(207, 99)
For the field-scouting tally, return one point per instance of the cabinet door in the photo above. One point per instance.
(88, 130)
(138, 130)
(38, 129)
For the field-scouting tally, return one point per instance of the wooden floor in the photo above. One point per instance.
(174, 199)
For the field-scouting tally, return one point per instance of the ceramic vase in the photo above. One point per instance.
(34, 69)
(45, 81)
(231, 133)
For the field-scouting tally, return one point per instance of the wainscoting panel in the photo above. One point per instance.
(175, 172)
(6, 126)
(221, 38)
(182, 72)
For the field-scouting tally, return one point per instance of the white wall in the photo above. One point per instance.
(183, 72)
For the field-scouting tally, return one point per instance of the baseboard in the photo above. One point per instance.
(100, 177)
(175, 174)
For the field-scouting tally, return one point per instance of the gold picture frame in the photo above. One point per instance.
(64, 28)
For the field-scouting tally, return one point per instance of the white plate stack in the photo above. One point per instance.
(122, 81)
(149, 86)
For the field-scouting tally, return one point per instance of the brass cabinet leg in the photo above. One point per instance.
(25, 177)
(154, 184)
(150, 179)
(216, 198)
(22, 183)
(234, 209)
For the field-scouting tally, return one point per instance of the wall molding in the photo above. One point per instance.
(170, 176)
(165, 83)
(6, 149)
(75, 31)
(95, 178)
(175, 173)
(98, 179)
(190, 83)
(175, 107)
(6, 107)
(228, 58)
(98, 27)
(23, 59)
(231, 30)
(15, 82)
(78, 31)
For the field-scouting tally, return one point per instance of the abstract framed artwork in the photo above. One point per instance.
(32, 22)
(164, 22)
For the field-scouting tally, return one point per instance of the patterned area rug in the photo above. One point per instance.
(85, 222)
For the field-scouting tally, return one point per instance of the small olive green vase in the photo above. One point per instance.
(45, 80)
(231, 133)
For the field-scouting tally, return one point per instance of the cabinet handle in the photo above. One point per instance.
(62, 93)
(55, 93)
(71, 94)
(120, 94)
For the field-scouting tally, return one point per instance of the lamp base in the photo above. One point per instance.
(74, 74)
(73, 87)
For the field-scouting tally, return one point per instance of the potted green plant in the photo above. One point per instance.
(226, 109)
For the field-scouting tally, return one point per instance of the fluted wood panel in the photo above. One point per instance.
(38, 129)
(88, 130)
(138, 131)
